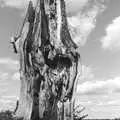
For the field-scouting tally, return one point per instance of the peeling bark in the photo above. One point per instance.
(48, 64)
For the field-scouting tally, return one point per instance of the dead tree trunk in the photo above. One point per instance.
(48, 63)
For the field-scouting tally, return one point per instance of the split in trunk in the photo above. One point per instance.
(48, 63)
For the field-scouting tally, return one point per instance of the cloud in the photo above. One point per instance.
(108, 103)
(111, 40)
(11, 97)
(113, 102)
(2, 90)
(85, 103)
(81, 15)
(9, 83)
(9, 90)
(84, 21)
(3, 76)
(99, 87)
(7, 104)
(9, 63)
(16, 76)
(87, 73)
(74, 6)
(100, 104)
(19, 4)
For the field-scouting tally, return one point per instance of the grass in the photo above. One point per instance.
(8, 115)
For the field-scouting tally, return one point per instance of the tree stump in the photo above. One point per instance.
(48, 63)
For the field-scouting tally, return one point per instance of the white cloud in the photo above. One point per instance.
(20, 4)
(99, 87)
(3, 76)
(85, 103)
(82, 15)
(74, 6)
(7, 104)
(7, 83)
(87, 73)
(16, 76)
(2, 90)
(84, 21)
(6, 77)
(8, 94)
(100, 104)
(5, 101)
(9, 63)
(113, 102)
(111, 40)
(11, 97)
(108, 103)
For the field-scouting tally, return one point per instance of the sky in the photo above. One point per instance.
(94, 26)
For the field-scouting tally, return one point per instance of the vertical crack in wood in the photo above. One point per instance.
(48, 64)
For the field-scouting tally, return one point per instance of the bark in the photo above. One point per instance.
(48, 64)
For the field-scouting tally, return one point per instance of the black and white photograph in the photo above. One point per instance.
(59, 59)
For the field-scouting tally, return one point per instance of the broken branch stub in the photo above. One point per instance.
(48, 64)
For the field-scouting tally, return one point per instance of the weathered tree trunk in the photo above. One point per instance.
(48, 64)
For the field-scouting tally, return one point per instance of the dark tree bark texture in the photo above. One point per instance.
(48, 63)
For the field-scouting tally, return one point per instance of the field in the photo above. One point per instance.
(8, 115)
